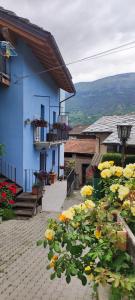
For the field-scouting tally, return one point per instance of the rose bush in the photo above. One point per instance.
(87, 241)
(7, 198)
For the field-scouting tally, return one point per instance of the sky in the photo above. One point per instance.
(83, 28)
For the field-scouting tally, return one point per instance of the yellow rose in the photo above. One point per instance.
(97, 233)
(114, 187)
(111, 162)
(52, 262)
(100, 167)
(49, 234)
(126, 204)
(112, 170)
(128, 172)
(123, 191)
(82, 206)
(91, 277)
(133, 210)
(89, 204)
(106, 173)
(88, 268)
(105, 165)
(67, 215)
(118, 171)
(86, 190)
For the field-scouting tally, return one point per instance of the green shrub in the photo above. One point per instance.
(8, 214)
(116, 157)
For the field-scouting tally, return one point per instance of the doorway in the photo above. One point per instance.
(43, 161)
(84, 167)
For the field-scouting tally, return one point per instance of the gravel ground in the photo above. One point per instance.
(23, 274)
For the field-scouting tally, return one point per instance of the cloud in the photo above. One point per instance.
(85, 27)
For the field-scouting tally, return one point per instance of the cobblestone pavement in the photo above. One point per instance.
(23, 274)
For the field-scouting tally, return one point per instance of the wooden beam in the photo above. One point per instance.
(8, 36)
(24, 34)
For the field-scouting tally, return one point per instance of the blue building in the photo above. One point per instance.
(31, 78)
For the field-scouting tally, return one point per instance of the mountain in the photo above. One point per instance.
(107, 96)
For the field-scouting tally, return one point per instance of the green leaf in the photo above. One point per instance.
(50, 255)
(45, 243)
(84, 280)
(53, 275)
(57, 247)
(68, 279)
(76, 250)
(39, 243)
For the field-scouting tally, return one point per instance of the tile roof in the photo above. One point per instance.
(43, 45)
(109, 124)
(86, 146)
(77, 129)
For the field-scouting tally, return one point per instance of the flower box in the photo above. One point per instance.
(39, 123)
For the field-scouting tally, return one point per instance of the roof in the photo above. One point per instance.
(108, 124)
(80, 146)
(77, 129)
(43, 46)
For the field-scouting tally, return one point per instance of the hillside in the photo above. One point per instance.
(107, 96)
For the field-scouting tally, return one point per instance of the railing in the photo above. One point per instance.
(57, 135)
(70, 182)
(32, 176)
(29, 179)
(7, 170)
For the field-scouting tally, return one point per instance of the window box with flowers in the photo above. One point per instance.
(39, 123)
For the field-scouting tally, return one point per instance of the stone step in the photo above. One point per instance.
(24, 212)
(28, 197)
(24, 204)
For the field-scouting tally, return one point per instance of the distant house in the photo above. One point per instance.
(105, 132)
(32, 75)
(82, 152)
(77, 132)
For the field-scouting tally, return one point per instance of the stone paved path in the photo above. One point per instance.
(23, 274)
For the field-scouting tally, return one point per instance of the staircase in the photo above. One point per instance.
(25, 203)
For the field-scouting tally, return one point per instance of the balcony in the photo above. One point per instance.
(54, 137)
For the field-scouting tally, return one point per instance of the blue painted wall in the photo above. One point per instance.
(11, 116)
(22, 101)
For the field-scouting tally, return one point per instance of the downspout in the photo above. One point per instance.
(59, 114)
(66, 100)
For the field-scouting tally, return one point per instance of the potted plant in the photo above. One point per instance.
(36, 189)
(52, 176)
(41, 175)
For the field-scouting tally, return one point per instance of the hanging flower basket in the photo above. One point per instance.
(39, 123)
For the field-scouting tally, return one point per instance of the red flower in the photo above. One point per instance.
(11, 201)
(3, 195)
(4, 183)
(12, 188)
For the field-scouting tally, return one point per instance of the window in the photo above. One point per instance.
(53, 158)
(54, 117)
(42, 118)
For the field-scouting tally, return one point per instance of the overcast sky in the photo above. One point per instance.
(85, 27)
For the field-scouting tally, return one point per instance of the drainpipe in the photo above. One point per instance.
(66, 100)
(59, 114)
